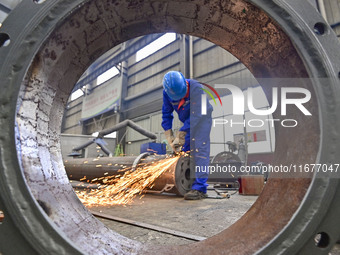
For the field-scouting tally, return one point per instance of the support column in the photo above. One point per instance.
(184, 65)
(121, 115)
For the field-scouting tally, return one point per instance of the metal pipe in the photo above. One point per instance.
(105, 149)
(335, 25)
(131, 124)
(177, 179)
(92, 168)
(84, 185)
(123, 124)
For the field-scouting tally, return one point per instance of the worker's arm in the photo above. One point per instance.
(167, 116)
(167, 113)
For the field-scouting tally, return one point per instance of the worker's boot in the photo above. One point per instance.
(194, 195)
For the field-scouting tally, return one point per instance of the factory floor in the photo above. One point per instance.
(202, 218)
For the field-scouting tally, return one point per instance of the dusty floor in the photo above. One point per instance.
(203, 218)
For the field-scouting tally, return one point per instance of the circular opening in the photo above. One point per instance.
(322, 240)
(2, 216)
(320, 28)
(61, 64)
(4, 40)
(50, 56)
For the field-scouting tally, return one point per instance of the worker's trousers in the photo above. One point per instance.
(198, 143)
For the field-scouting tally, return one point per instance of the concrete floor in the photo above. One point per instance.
(203, 218)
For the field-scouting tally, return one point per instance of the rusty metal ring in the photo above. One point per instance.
(47, 46)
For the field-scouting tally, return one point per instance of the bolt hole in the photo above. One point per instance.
(4, 40)
(187, 174)
(45, 207)
(321, 240)
(38, 1)
(339, 75)
(2, 216)
(320, 28)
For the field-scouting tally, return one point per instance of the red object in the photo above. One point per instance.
(183, 99)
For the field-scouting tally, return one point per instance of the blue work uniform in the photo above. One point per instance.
(196, 126)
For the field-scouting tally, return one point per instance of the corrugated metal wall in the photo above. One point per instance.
(148, 73)
(72, 116)
(209, 59)
(210, 64)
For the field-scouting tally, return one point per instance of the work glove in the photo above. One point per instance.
(169, 135)
(179, 141)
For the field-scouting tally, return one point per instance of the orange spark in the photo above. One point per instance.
(121, 190)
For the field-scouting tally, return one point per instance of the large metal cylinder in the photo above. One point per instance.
(176, 179)
(51, 44)
(91, 168)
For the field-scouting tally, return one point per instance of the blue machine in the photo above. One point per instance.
(157, 148)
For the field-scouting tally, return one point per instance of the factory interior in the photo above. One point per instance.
(88, 166)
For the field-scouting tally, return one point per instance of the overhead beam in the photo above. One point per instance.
(5, 9)
(128, 52)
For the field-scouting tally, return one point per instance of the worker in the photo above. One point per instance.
(184, 97)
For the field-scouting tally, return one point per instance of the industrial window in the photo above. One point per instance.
(112, 135)
(76, 94)
(109, 74)
(156, 45)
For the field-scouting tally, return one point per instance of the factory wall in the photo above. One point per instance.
(148, 73)
(332, 12)
(72, 116)
(141, 98)
(210, 64)
(70, 141)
